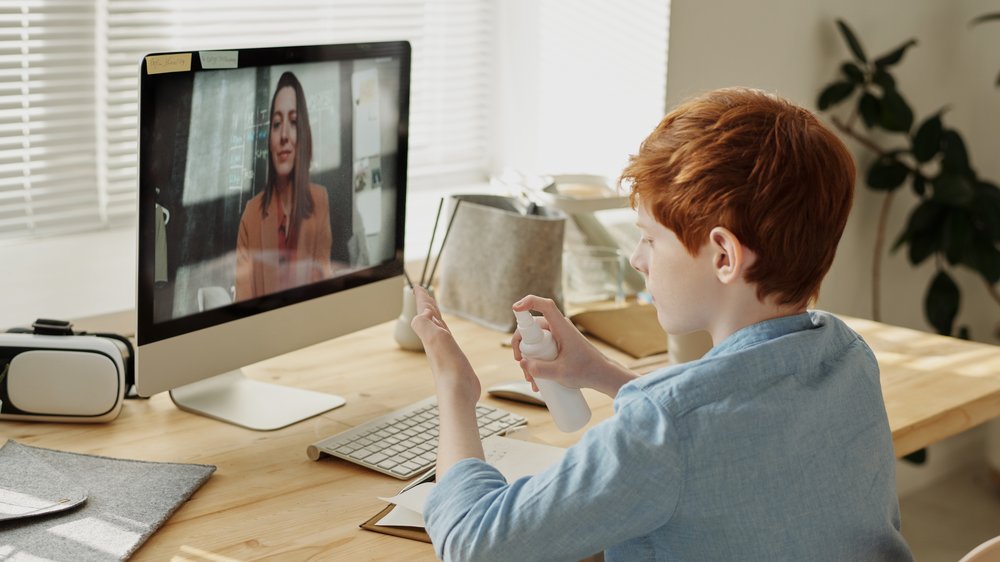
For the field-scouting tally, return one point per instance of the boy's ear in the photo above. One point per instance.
(729, 256)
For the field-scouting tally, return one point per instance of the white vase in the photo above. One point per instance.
(403, 333)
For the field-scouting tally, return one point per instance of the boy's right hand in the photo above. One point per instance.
(578, 365)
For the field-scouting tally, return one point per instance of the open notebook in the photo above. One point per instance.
(403, 517)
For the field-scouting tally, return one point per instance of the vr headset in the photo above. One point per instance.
(50, 373)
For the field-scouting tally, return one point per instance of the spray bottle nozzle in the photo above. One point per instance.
(530, 332)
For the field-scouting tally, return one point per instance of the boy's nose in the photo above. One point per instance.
(635, 262)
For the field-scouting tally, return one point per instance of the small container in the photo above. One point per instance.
(403, 333)
(593, 274)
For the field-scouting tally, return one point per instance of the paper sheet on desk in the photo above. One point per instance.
(512, 457)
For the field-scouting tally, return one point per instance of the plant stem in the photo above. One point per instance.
(883, 218)
(992, 291)
(867, 142)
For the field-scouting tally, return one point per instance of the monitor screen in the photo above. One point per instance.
(269, 180)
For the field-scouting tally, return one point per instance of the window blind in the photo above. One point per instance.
(69, 89)
(48, 170)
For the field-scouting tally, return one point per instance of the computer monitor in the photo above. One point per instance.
(272, 189)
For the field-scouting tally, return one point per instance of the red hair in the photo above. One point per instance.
(761, 167)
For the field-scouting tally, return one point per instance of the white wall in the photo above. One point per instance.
(579, 83)
(792, 47)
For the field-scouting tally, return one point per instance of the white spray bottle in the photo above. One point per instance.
(568, 408)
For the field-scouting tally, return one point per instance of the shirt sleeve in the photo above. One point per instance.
(621, 481)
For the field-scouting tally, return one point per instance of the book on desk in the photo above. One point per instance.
(514, 458)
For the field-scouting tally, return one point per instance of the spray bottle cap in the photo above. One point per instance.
(530, 332)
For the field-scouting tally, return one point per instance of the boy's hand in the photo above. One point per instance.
(578, 365)
(452, 371)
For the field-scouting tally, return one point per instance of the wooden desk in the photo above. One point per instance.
(267, 500)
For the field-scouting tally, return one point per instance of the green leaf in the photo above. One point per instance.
(853, 73)
(927, 216)
(919, 184)
(887, 173)
(941, 303)
(984, 258)
(957, 235)
(986, 209)
(896, 55)
(956, 157)
(869, 107)
(852, 41)
(896, 113)
(922, 246)
(927, 141)
(884, 79)
(834, 94)
(952, 188)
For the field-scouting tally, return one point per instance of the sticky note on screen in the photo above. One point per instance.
(161, 64)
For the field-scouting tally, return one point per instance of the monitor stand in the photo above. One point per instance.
(253, 404)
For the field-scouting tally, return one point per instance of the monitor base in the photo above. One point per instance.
(262, 406)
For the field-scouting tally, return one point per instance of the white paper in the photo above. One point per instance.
(414, 498)
(515, 458)
(512, 457)
(402, 517)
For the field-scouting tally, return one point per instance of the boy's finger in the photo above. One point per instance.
(554, 318)
(515, 343)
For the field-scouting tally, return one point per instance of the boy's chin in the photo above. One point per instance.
(670, 323)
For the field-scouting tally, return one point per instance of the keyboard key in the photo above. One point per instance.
(360, 454)
(495, 427)
(375, 458)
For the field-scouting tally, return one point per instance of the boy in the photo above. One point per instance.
(774, 446)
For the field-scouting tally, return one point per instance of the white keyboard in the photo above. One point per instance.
(404, 443)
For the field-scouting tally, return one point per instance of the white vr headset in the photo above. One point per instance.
(51, 373)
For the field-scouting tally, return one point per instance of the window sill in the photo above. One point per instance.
(94, 273)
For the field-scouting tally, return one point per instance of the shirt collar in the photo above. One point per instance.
(761, 332)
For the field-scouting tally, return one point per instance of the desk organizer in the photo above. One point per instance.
(501, 249)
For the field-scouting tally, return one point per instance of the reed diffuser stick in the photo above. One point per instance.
(451, 221)
(430, 247)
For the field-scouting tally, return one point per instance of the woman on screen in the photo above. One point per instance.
(284, 238)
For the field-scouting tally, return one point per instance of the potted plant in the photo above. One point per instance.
(956, 219)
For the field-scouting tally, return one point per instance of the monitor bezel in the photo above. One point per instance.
(148, 331)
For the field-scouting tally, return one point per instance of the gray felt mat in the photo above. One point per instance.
(126, 502)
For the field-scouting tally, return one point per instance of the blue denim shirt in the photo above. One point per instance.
(774, 446)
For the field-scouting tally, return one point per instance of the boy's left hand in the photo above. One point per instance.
(452, 371)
